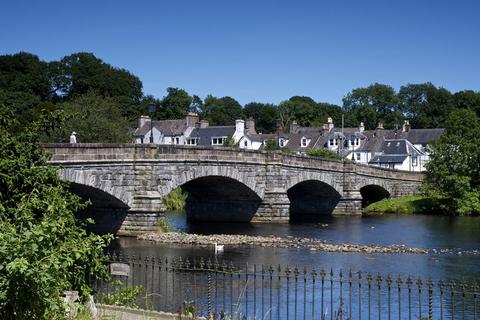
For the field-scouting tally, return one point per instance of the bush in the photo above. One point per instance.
(322, 153)
(175, 200)
(44, 249)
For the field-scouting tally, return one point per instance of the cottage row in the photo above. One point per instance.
(402, 149)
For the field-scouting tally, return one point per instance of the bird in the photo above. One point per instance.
(218, 248)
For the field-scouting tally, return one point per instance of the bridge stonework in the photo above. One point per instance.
(139, 176)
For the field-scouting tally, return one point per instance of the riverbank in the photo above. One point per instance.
(405, 205)
(288, 242)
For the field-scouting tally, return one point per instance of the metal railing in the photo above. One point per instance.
(225, 291)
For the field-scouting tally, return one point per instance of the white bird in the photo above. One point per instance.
(218, 248)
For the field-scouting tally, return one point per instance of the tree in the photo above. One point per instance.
(221, 111)
(82, 72)
(96, 119)
(264, 114)
(300, 109)
(175, 105)
(425, 105)
(467, 99)
(44, 250)
(453, 174)
(371, 105)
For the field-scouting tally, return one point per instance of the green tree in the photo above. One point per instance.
(467, 99)
(83, 72)
(371, 105)
(96, 119)
(175, 105)
(264, 114)
(44, 250)
(425, 105)
(453, 175)
(221, 111)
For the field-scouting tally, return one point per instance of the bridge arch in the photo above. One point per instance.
(310, 200)
(249, 178)
(373, 193)
(329, 178)
(107, 211)
(220, 198)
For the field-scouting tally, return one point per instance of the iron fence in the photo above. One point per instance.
(221, 290)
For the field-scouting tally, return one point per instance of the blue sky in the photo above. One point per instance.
(263, 51)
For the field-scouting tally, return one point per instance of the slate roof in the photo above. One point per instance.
(262, 137)
(174, 127)
(388, 159)
(394, 151)
(205, 135)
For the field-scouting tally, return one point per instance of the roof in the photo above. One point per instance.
(205, 135)
(261, 137)
(174, 127)
(388, 159)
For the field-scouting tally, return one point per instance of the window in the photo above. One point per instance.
(332, 142)
(281, 142)
(357, 142)
(304, 142)
(358, 156)
(245, 143)
(192, 141)
(398, 144)
(177, 140)
(218, 141)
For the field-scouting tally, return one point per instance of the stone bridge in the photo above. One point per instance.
(127, 182)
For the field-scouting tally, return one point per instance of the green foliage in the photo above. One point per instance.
(221, 111)
(264, 114)
(404, 205)
(229, 142)
(175, 105)
(163, 226)
(44, 249)
(453, 174)
(322, 153)
(96, 119)
(175, 200)
(373, 104)
(271, 145)
(123, 296)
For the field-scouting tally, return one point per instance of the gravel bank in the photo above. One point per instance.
(280, 242)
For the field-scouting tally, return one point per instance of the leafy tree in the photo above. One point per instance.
(229, 142)
(322, 153)
(376, 103)
(83, 72)
(96, 119)
(453, 175)
(425, 105)
(264, 114)
(467, 99)
(44, 250)
(196, 105)
(175, 105)
(301, 109)
(221, 111)
(24, 72)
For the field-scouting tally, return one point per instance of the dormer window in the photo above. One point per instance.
(218, 141)
(304, 142)
(332, 142)
(281, 142)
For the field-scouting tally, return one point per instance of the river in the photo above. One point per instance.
(420, 231)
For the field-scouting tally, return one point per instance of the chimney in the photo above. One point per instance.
(361, 128)
(203, 123)
(279, 127)
(380, 125)
(406, 126)
(240, 126)
(329, 125)
(143, 120)
(192, 119)
(294, 127)
(250, 124)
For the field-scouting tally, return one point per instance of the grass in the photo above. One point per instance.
(163, 226)
(175, 200)
(404, 205)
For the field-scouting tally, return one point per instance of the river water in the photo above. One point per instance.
(422, 231)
